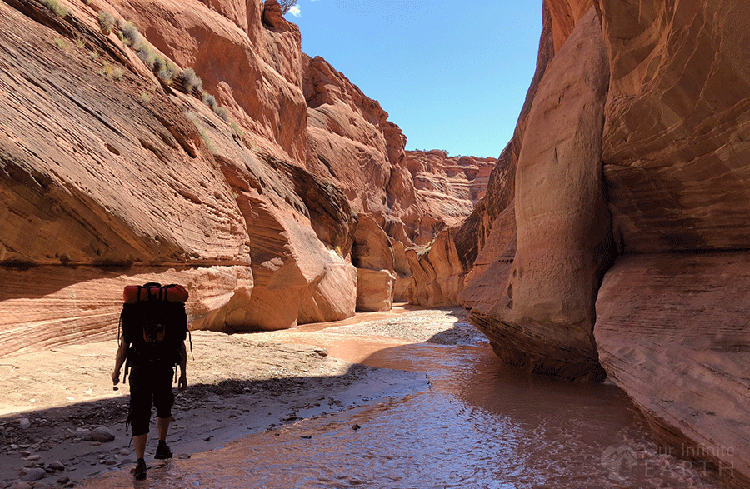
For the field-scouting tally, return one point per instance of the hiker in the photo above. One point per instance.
(153, 324)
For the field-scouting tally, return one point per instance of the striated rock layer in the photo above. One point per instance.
(672, 323)
(672, 331)
(108, 179)
(112, 174)
(665, 169)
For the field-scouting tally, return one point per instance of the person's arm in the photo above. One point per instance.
(122, 352)
(182, 383)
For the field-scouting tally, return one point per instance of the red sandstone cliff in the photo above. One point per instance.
(109, 175)
(617, 239)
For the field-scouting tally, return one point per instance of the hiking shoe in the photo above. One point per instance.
(140, 469)
(163, 451)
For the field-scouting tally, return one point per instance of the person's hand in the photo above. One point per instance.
(116, 376)
(182, 382)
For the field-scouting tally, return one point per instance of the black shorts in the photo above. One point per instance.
(149, 385)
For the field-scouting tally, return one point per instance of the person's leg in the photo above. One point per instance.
(163, 400)
(139, 417)
(162, 425)
(139, 442)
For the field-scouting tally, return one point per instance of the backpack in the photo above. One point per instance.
(154, 321)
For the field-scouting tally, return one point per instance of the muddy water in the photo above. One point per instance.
(480, 424)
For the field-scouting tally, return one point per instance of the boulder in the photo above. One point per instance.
(374, 290)
(437, 273)
(372, 249)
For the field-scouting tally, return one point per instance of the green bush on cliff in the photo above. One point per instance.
(223, 113)
(191, 80)
(209, 100)
(167, 73)
(130, 34)
(55, 7)
(106, 22)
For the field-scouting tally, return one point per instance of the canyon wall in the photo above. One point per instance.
(617, 242)
(112, 175)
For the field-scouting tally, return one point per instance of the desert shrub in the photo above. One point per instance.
(235, 127)
(110, 71)
(209, 100)
(159, 64)
(146, 54)
(287, 4)
(167, 72)
(106, 22)
(130, 34)
(55, 7)
(191, 80)
(223, 113)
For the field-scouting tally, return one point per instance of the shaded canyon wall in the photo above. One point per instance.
(617, 242)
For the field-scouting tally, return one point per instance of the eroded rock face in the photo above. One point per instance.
(253, 65)
(374, 290)
(437, 272)
(672, 331)
(562, 221)
(677, 135)
(110, 180)
(373, 252)
(676, 153)
(448, 187)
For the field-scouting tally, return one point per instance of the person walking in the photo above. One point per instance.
(153, 330)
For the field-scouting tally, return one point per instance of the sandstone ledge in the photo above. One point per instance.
(672, 331)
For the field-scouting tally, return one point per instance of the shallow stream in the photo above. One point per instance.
(480, 424)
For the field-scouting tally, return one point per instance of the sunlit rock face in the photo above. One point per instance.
(111, 180)
(251, 61)
(372, 254)
(545, 317)
(672, 332)
(677, 136)
(669, 324)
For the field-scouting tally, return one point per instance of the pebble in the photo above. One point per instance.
(56, 465)
(34, 474)
(100, 434)
(20, 485)
(24, 423)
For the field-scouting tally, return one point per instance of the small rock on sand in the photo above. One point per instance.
(101, 434)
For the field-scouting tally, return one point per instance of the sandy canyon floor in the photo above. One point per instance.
(58, 407)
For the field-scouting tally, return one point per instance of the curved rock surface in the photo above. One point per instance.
(562, 222)
(108, 179)
(669, 320)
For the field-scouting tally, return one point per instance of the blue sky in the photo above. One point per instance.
(451, 74)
